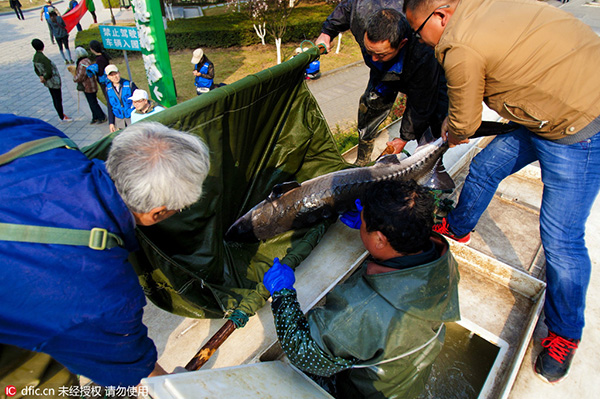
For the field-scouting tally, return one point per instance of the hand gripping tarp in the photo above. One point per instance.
(262, 130)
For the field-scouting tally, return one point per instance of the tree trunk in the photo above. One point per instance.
(278, 45)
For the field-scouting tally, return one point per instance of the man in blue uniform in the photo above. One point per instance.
(67, 226)
(118, 92)
(204, 72)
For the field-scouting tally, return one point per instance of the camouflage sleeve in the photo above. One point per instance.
(46, 68)
(294, 334)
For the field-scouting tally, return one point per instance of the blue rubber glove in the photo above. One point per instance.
(278, 277)
(352, 218)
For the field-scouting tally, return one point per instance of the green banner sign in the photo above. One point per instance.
(153, 43)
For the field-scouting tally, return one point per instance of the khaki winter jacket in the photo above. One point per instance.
(530, 62)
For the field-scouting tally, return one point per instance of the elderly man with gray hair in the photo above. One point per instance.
(70, 301)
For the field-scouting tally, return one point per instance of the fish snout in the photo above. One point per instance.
(241, 231)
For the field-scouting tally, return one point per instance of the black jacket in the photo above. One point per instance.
(422, 78)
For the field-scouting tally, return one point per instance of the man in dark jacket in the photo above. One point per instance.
(375, 339)
(68, 292)
(407, 66)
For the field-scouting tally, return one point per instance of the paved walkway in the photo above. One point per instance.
(22, 93)
(338, 92)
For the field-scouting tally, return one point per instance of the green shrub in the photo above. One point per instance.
(345, 138)
(228, 30)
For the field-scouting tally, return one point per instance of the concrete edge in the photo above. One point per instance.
(339, 69)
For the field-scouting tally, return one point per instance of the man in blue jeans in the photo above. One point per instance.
(540, 71)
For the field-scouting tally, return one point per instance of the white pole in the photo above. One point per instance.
(339, 43)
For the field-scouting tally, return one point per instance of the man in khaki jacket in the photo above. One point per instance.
(536, 66)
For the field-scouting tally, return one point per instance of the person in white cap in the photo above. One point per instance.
(143, 106)
(313, 70)
(204, 71)
(119, 92)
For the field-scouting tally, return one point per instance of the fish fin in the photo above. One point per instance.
(280, 189)
(438, 179)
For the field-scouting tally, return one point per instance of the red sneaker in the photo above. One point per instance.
(443, 228)
(553, 362)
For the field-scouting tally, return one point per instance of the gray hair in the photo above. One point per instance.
(80, 52)
(153, 166)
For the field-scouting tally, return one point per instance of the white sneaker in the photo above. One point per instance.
(67, 119)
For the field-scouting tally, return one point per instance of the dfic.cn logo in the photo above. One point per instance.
(10, 390)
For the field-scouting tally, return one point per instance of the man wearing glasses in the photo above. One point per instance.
(540, 71)
(397, 63)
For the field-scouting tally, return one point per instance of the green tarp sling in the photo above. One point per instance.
(262, 130)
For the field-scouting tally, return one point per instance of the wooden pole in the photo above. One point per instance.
(211, 346)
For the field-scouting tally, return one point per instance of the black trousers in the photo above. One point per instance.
(97, 113)
(57, 100)
(19, 12)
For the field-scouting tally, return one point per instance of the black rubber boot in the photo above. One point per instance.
(365, 149)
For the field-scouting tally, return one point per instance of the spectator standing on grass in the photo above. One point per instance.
(16, 5)
(313, 70)
(49, 76)
(204, 71)
(90, 87)
(119, 92)
(59, 29)
(45, 14)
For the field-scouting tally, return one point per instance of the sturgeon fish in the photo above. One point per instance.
(292, 205)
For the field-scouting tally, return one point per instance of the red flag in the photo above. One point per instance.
(73, 17)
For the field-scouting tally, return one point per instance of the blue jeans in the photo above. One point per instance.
(571, 177)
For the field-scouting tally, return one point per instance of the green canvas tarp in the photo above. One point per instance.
(262, 130)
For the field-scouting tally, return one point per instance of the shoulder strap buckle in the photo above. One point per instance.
(98, 239)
